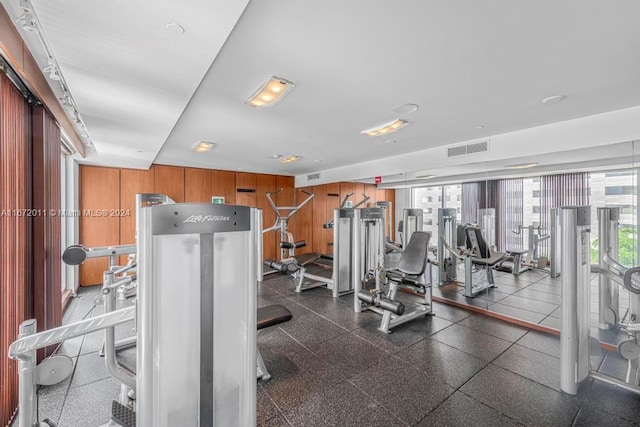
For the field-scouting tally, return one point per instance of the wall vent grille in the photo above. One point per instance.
(462, 150)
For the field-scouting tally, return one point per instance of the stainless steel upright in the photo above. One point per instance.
(608, 304)
(412, 220)
(574, 329)
(447, 235)
(488, 225)
(368, 249)
(555, 249)
(196, 316)
(343, 224)
(388, 219)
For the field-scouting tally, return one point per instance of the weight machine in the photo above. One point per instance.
(412, 220)
(410, 273)
(447, 243)
(196, 353)
(283, 215)
(576, 344)
(514, 263)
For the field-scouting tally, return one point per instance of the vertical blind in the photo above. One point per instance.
(30, 253)
(15, 234)
(565, 189)
(509, 213)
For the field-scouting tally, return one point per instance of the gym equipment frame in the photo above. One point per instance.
(196, 354)
(575, 339)
(447, 239)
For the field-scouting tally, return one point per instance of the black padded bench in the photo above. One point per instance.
(270, 315)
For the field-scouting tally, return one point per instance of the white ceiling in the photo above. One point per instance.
(464, 63)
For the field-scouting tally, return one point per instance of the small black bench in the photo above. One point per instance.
(270, 315)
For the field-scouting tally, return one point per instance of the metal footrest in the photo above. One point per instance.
(123, 415)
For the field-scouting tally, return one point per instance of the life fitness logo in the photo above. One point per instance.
(199, 219)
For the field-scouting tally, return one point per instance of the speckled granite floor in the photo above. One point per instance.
(330, 366)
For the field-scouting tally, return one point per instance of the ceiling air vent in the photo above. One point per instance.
(457, 151)
(313, 176)
(478, 147)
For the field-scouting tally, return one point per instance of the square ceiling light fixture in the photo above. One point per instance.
(291, 158)
(386, 128)
(272, 91)
(202, 146)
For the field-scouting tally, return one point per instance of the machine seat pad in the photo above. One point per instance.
(517, 251)
(306, 259)
(273, 315)
(491, 261)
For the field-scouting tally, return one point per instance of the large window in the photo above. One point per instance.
(429, 199)
(527, 201)
(453, 195)
(616, 189)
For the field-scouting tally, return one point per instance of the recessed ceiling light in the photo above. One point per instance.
(522, 166)
(274, 156)
(271, 91)
(390, 141)
(553, 99)
(386, 128)
(425, 176)
(202, 146)
(139, 151)
(291, 158)
(404, 108)
(480, 127)
(175, 28)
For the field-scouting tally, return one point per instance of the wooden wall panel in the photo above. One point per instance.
(333, 202)
(223, 183)
(15, 234)
(99, 195)
(390, 195)
(47, 293)
(319, 205)
(244, 183)
(169, 180)
(198, 185)
(358, 191)
(370, 190)
(265, 184)
(132, 182)
(345, 189)
(304, 222)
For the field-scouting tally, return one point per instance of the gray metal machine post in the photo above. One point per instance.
(343, 224)
(488, 225)
(412, 220)
(574, 309)
(554, 249)
(607, 246)
(447, 235)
